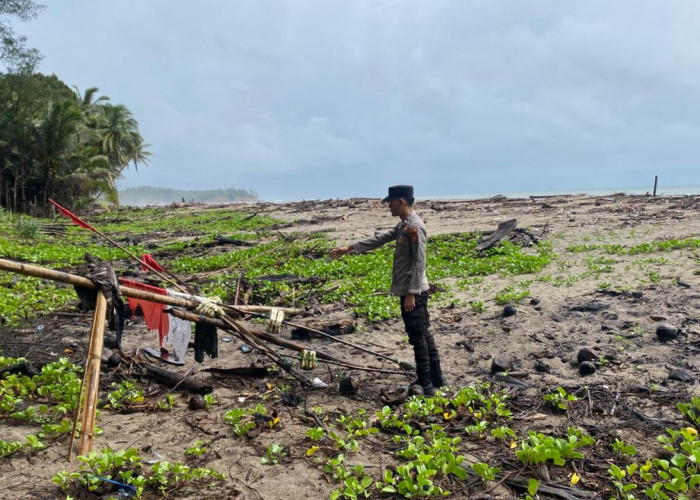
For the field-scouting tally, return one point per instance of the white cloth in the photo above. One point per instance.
(178, 337)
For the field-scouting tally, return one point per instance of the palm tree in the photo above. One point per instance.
(56, 141)
(89, 105)
(90, 177)
(139, 153)
(120, 138)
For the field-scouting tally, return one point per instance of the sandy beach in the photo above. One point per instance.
(587, 297)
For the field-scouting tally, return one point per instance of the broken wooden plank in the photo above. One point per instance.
(503, 230)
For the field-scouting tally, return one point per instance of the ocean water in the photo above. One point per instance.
(660, 191)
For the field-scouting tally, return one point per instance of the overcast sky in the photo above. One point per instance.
(305, 99)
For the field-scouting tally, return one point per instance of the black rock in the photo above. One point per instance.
(464, 344)
(586, 368)
(110, 342)
(534, 302)
(292, 399)
(593, 306)
(501, 364)
(542, 367)
(301, 334)
(666, 332)
(509, 310)
(586, 354)
(196, 402)
(681, 374)
(113, 361)
(349, 386)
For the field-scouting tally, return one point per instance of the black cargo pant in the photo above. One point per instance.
(417, 323)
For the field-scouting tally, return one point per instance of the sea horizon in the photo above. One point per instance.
(660, 191)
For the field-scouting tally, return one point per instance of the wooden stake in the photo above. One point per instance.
(91, 379)
(238, 289)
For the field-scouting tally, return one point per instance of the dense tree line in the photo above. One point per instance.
(56, 142)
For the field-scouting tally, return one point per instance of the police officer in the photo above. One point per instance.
(409, 282)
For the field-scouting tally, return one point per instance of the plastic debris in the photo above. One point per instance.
(317, 383)
(123, 490)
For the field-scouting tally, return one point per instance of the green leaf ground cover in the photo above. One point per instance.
(641, 248)
(361, 280)
(182, 219)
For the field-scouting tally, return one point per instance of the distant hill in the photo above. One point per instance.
(146, 195)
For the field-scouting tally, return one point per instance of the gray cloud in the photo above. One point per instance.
(318, 98)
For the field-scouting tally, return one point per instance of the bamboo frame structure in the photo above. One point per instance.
(184, 300)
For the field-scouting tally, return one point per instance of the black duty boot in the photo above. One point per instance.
(436, 376)
(428, 389)
(417, 383)
(423, 372)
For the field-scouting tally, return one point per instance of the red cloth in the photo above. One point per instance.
(148, 259)
(72, 216)
(153, 313)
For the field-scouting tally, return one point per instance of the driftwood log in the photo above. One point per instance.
(507, 231)
(503, 230)
(177, 380)
(22, 368)
(241, 371)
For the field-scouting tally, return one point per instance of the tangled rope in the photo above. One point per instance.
(210, 307)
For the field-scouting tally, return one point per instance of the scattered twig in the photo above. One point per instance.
(617, 396)
(589, 411)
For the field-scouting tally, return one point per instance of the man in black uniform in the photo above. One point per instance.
(409, 282)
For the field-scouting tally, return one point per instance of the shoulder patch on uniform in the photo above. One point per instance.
(413, 233)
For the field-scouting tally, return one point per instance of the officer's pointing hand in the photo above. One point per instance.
(340, 251)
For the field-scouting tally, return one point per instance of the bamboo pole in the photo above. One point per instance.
(91, 378)
(182, 300)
